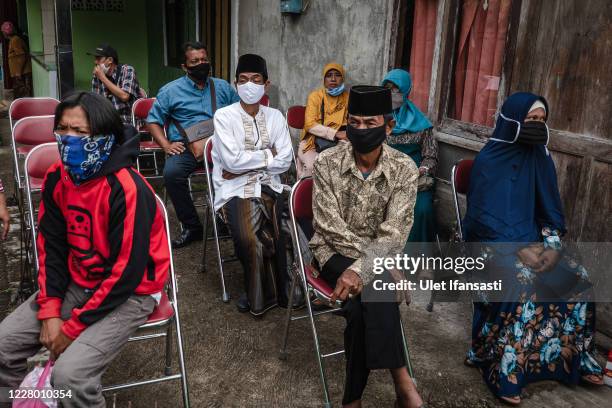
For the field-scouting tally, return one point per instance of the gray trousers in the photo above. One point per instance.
(80, 367)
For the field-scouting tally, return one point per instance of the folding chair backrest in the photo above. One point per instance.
(24, 107)
(295, 116)
(39, 160)
(36, 165)
(460, 182)
(265, 100)
(140, 109)
(301, 199)
(209, 154)
(172, 276)
(34, 130)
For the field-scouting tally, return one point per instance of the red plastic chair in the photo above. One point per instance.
(295, 116)
(265, 100)
(29, 132)
(460, 182)
(148, 148)
(165, 315)
(140, 111)
(24, 107)
(300, 207)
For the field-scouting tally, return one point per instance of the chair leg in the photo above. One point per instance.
(406, 352)
(155, 164)
(315, 337)
(168, 367)
(206, 216)
(225, 295)
(283, 350)
(181, 356)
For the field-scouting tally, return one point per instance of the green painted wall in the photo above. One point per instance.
(34, 25)
(40, 79)
(159, 73)
(126, 32)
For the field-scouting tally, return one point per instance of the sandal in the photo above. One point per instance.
(593, 379)
(516, 400)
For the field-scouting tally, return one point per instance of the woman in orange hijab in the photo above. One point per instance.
(325, 119)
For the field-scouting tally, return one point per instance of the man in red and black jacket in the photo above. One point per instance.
(103, 255)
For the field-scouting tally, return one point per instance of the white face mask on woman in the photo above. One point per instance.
(251, 93)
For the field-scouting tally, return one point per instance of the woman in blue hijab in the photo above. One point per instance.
(514, 199)
(413, 135)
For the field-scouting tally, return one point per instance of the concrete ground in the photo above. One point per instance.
(232, 359)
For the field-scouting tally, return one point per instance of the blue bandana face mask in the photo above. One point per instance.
(335, 91)
(83, 157)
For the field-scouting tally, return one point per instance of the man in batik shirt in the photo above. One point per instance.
(364, 195)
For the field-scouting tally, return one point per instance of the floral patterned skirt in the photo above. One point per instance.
(515, 343)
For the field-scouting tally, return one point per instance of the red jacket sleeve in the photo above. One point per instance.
(52, 244)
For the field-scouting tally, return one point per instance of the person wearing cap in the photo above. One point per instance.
(363, 199)
(325, 118)
(20, 66)
(251, 149)
(116, 82)
(183, 104)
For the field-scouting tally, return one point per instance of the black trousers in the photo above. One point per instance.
(373, 334)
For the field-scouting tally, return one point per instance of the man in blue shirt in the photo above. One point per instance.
(186, 101)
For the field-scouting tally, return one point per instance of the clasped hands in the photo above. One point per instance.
(53, 338)
(538, 258)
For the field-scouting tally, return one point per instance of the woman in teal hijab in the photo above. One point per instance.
(413, 136)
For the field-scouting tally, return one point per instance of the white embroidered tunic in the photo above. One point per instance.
(243, 144)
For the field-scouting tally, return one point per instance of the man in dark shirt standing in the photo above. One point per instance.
(116, 82)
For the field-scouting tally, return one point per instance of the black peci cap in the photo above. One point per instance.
(252, 63)
(369, 100)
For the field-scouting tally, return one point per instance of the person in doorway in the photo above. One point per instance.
(251, 149)
(364, 193)
(325, 118)
(103, 255)
(186, 105)
(20, 65)
(116, 82)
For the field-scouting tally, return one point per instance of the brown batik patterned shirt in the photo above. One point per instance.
(359, 218)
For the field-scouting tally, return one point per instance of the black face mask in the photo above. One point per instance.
(533, 133)
(199, 72)
(366, 140)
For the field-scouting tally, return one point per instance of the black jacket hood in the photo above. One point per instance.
(123, 155)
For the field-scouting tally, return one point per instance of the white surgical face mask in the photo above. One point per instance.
(104, 68)
(251, 93)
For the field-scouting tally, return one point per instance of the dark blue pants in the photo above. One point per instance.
(176, 175)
